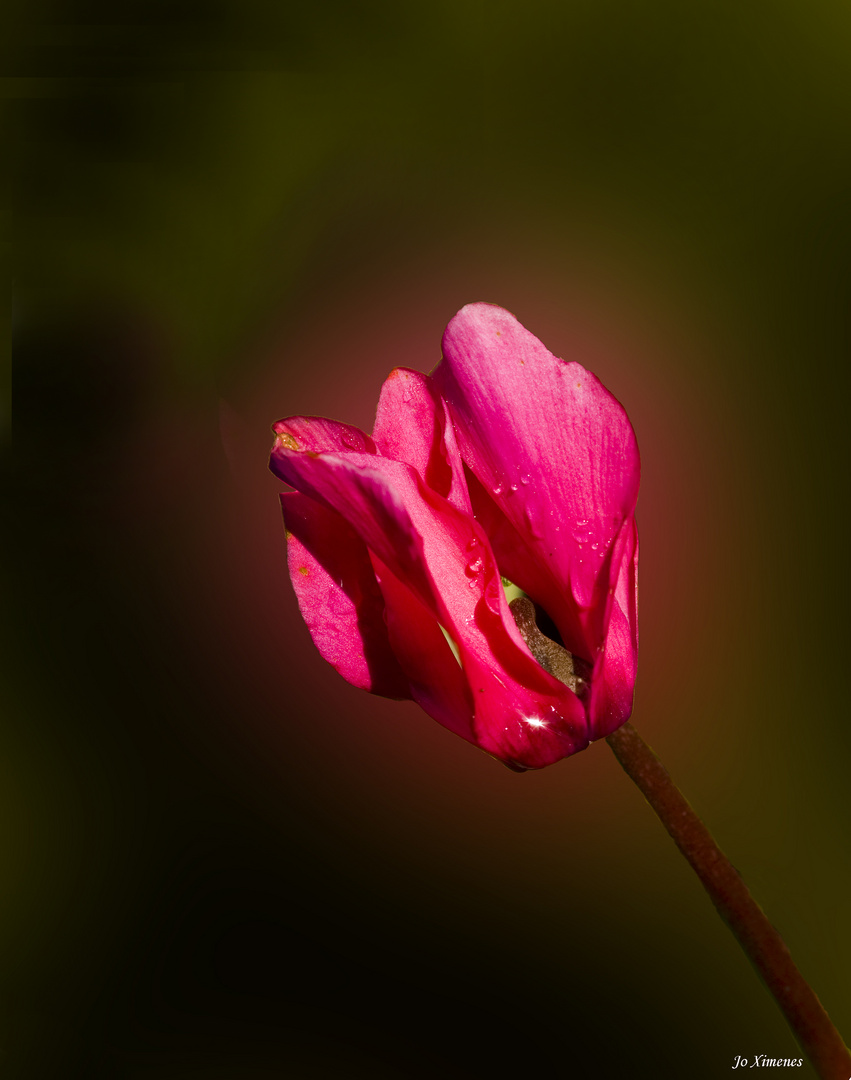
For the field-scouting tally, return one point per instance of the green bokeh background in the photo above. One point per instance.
(219, 860)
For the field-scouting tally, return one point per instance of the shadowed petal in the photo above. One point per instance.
(613, 680)
(338, 596)
(521, 563)
(437, 681)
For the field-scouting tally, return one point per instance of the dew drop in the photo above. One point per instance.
(474, 543)
(524, 480)
(513, 487)
(474, 566)
(348, 438)
(498, 489)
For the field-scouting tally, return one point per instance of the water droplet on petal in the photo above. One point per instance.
(513, 487)
(474, 566)
(498, 489)
(474, 543)
(524, 480)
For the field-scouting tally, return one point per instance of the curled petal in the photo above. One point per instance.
(437, 682)
(339, 597)
(520, 713)
(616, 665)
(315, 434)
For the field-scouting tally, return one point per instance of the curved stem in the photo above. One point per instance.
(764, 947)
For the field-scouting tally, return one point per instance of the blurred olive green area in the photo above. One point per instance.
(218, 860)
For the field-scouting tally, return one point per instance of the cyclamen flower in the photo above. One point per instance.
(506, 464)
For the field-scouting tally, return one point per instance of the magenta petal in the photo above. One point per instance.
(437, 683)
(315, 434)
(615, 669)
(553, 447)
(412, 425)
(520, 562)
(339, 597)
(520, 712)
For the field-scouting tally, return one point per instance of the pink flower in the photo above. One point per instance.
(506, 463)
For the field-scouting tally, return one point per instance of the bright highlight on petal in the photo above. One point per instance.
(508, 473)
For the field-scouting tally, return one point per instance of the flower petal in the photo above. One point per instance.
(339, 597)
(552, 446)
(521, 714)
(437, 682)
(613, 680)
(315, 434)
(521, 563)
(411, 425)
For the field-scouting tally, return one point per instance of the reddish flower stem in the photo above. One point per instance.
(819, 1039)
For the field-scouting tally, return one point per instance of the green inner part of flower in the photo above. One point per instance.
(452, 644)
(512, 591)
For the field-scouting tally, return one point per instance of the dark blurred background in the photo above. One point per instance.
(221, 862)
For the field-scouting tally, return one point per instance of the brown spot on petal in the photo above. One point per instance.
(287, 440)
(303, 570)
